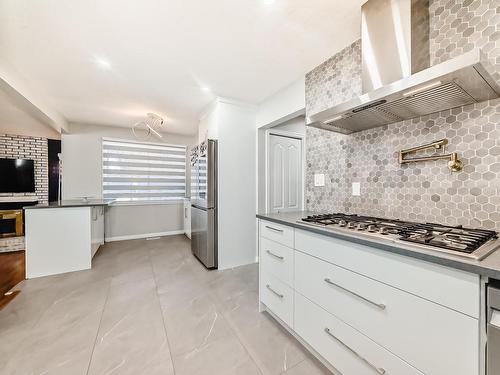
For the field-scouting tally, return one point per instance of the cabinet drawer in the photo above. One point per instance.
(277, 260)
(277, 232)
(347, 350)
(277, 296)
(430, 337)
(446, 286)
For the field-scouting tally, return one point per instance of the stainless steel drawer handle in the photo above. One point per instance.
(274, 292)
(275, 229)
(381, 306)
(274, 255)
(380, 370)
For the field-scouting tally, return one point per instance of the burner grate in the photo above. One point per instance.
(374, 223)
(455, 238)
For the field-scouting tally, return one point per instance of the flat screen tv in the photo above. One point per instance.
(17, 175)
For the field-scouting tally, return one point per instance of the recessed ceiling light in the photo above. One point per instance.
(269, 2)
(205, 88)
(103, 63)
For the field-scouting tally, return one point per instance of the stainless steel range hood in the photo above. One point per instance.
(398, 83)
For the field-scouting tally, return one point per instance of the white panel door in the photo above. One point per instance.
(284, 173)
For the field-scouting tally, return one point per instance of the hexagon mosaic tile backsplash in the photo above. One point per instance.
(419, 191)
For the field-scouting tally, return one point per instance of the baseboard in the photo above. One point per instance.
(236, 265)
(145, 235)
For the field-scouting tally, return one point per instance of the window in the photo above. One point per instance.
(143, 172)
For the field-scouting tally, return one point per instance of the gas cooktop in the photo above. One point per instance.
(471, 243)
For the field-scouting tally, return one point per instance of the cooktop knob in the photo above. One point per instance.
(372, 228)
(342, 223)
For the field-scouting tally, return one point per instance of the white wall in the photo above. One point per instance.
(82, 176)
(208, 126)
(124, 222)
(285, 109)
(286, 104)
(234, 126)
(295, 125)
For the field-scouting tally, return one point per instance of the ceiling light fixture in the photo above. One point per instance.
(205, 89)
(153, 124)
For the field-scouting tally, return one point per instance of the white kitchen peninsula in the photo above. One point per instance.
(63, 236)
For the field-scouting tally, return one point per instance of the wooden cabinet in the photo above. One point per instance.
(365, 310)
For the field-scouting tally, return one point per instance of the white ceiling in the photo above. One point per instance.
(18, 116)
(110, 62)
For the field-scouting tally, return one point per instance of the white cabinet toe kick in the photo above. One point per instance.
(362, 311)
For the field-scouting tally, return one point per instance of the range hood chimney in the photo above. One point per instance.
(397, 79)
(395, 41)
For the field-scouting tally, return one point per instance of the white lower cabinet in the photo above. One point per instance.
(278, 297)
(446, 286)
(349, 351)
(369, 312)
(277, 260)
(431, 337)
(97, 228)
(277, 233)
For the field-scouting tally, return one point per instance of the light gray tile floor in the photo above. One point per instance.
(146, 308)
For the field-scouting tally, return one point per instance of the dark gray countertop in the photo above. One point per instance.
(489, 266)
(72, 203)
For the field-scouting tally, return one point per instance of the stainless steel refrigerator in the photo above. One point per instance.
(204, 203)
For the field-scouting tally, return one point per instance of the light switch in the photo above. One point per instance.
(319, 179)
(356, 189)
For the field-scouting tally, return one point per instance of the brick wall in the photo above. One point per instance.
(24, 147)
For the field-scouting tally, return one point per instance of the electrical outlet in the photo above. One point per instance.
(356, 189)
(319, 179)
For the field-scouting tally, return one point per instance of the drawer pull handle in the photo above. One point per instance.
(381, 306)
(380, 370)
(274, 255)
(274, 292)
(275, 229)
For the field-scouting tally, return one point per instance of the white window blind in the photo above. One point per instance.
(143, 172)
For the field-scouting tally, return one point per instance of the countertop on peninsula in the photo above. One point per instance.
(72, 203)
(489, 267)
